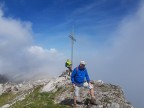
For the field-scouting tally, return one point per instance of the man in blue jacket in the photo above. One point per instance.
(78, 80)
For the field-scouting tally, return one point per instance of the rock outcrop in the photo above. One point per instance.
(107, 95)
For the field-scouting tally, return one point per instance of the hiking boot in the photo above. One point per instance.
(79, 102)
(93, 101)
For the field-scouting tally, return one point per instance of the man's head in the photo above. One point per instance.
(82, 64)
(68, 60)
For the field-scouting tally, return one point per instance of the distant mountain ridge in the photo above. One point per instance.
(3, 79)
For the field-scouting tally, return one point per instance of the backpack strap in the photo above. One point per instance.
(76, 71)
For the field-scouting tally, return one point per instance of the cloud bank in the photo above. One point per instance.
(120, 59)
(20, 59)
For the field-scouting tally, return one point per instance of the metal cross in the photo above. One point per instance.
(73, 40)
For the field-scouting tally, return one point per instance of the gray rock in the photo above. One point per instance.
(107, 95)
(115, 105)
(5, 106)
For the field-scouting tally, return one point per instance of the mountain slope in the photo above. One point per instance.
(58, 93)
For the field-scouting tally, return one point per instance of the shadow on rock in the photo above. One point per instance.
(68, 102)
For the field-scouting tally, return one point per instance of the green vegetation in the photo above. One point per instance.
(6, 98)
(39, 100)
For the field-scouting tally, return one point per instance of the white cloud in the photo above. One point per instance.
(20, 58)
(121, 59)
(1, 13)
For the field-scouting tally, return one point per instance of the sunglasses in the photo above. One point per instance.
(82, 64)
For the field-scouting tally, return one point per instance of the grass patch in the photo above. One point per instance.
(39, 100)
(6, 97)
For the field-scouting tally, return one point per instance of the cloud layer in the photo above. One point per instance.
(120, 59)
(20, 59)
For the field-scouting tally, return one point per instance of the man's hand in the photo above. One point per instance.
(73, 85)
(90, 85)
(92, 82)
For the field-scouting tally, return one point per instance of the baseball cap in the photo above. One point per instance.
(83, 62)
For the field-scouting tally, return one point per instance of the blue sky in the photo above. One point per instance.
(49, 18)
(34, 40)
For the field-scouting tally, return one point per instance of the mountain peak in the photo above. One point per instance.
(107, 95)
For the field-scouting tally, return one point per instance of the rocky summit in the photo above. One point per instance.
(58, 93)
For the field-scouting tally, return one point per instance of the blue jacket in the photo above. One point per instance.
(78, 76)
